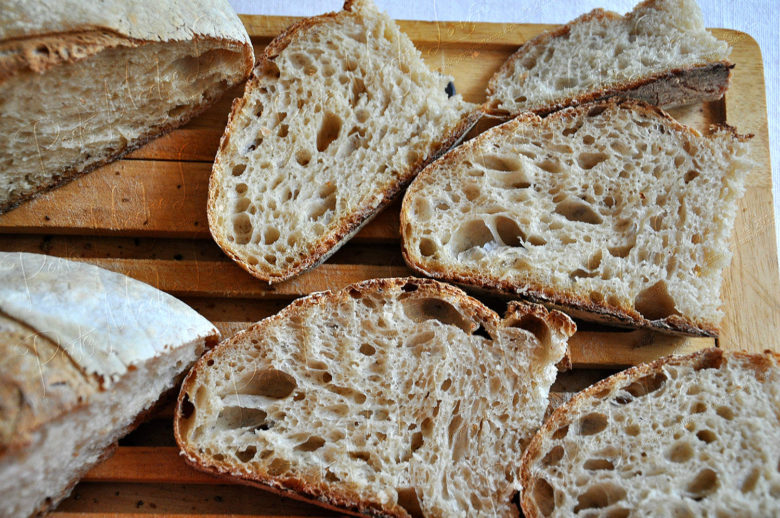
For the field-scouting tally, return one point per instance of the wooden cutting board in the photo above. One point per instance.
(145, 216)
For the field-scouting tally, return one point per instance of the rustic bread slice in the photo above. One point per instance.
(659, 53)
(341, 113)
(83, 83)
(685, 436)
(83, 353)
(391, 397)
(612, 210)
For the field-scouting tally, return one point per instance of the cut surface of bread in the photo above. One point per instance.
(83, 353)
(82, 88)
(684, 436)
(340, 114)
(659, 53)
(391, 397)
(610, 209)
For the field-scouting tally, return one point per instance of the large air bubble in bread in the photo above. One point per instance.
(398, 396)
(342, 112)
(594, 208)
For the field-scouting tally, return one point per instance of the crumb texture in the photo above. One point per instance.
(607, 207)
(402, 396)
(685, 438)
(341, 113)
(602, 50)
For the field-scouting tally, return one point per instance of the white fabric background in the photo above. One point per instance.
(758, 18)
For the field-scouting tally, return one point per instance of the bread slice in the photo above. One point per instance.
(683, 436)
(659, 53)
(84, 353)
(391, 397)
(340, 114)
(83, 83)
(612, 210)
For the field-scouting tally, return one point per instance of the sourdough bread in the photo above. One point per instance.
(391, 397)
(340, 114)
(659, 53)
(612, 210)
(683, 436)
(83, 83)
(83, 352)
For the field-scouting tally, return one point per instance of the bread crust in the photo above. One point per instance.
(711, 358)
(319, 492)
(673, 87)
(329, 243)
(567, 301)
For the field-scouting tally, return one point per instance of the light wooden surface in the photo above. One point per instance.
(145, 216)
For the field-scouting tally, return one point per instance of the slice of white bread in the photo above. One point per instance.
(659, 53)
(84, 352)
(340, 114)
(83, 83)
(612, 210)
(683, 436)
(391, 397)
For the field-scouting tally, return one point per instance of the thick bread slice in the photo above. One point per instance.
(340, 114)
(83, 353)
(391, 397)
(83, 83)
(685, 436)
(659, 53)
(612, 210)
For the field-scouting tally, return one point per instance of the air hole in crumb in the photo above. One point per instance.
(592, 424)
(598, 464)
(446, 384)
(427, 247)
(707, 436)
(235, 417)
(329, 131)
(367, 350)
(238, 170)
(242, 228)
(509, 231)
(561, 432)
(271, 383)
(588, 140)
(311, 444)
(544, 497)
(690, 175)
(417, 441)
(597, 110)
(497, 163)
(725, 412)
(241, 188)
(327, 377)
(655, 303)
(247, 454)
(599, 496)
(680, 452)
(407, 498)
(553, 456)
(646, 384)
(703, 484)
(577, 210)
(698, 408)
(471, 234)
(534, 325)
(303, 157)
(278, 466)
(271, 235)
(481, 331)
(186, 409)
(588, 161)
(550, 165)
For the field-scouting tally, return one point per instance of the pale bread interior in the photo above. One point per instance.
(332, 127)
(603, 50)
(404, 398)
(611, 204)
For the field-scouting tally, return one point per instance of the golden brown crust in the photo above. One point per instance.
(328, 244)
(711, 358)
(321, 492)
(672, 87)
(567, 301)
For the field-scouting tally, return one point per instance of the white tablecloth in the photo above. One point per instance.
(759, 18)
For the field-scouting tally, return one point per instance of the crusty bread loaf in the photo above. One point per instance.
(340, 114)
(82, 83)
(687, 436)
(391, 397)
(659, 53)
(611, 209)
(83, 352)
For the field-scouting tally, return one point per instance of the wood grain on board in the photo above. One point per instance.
(145, 216)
